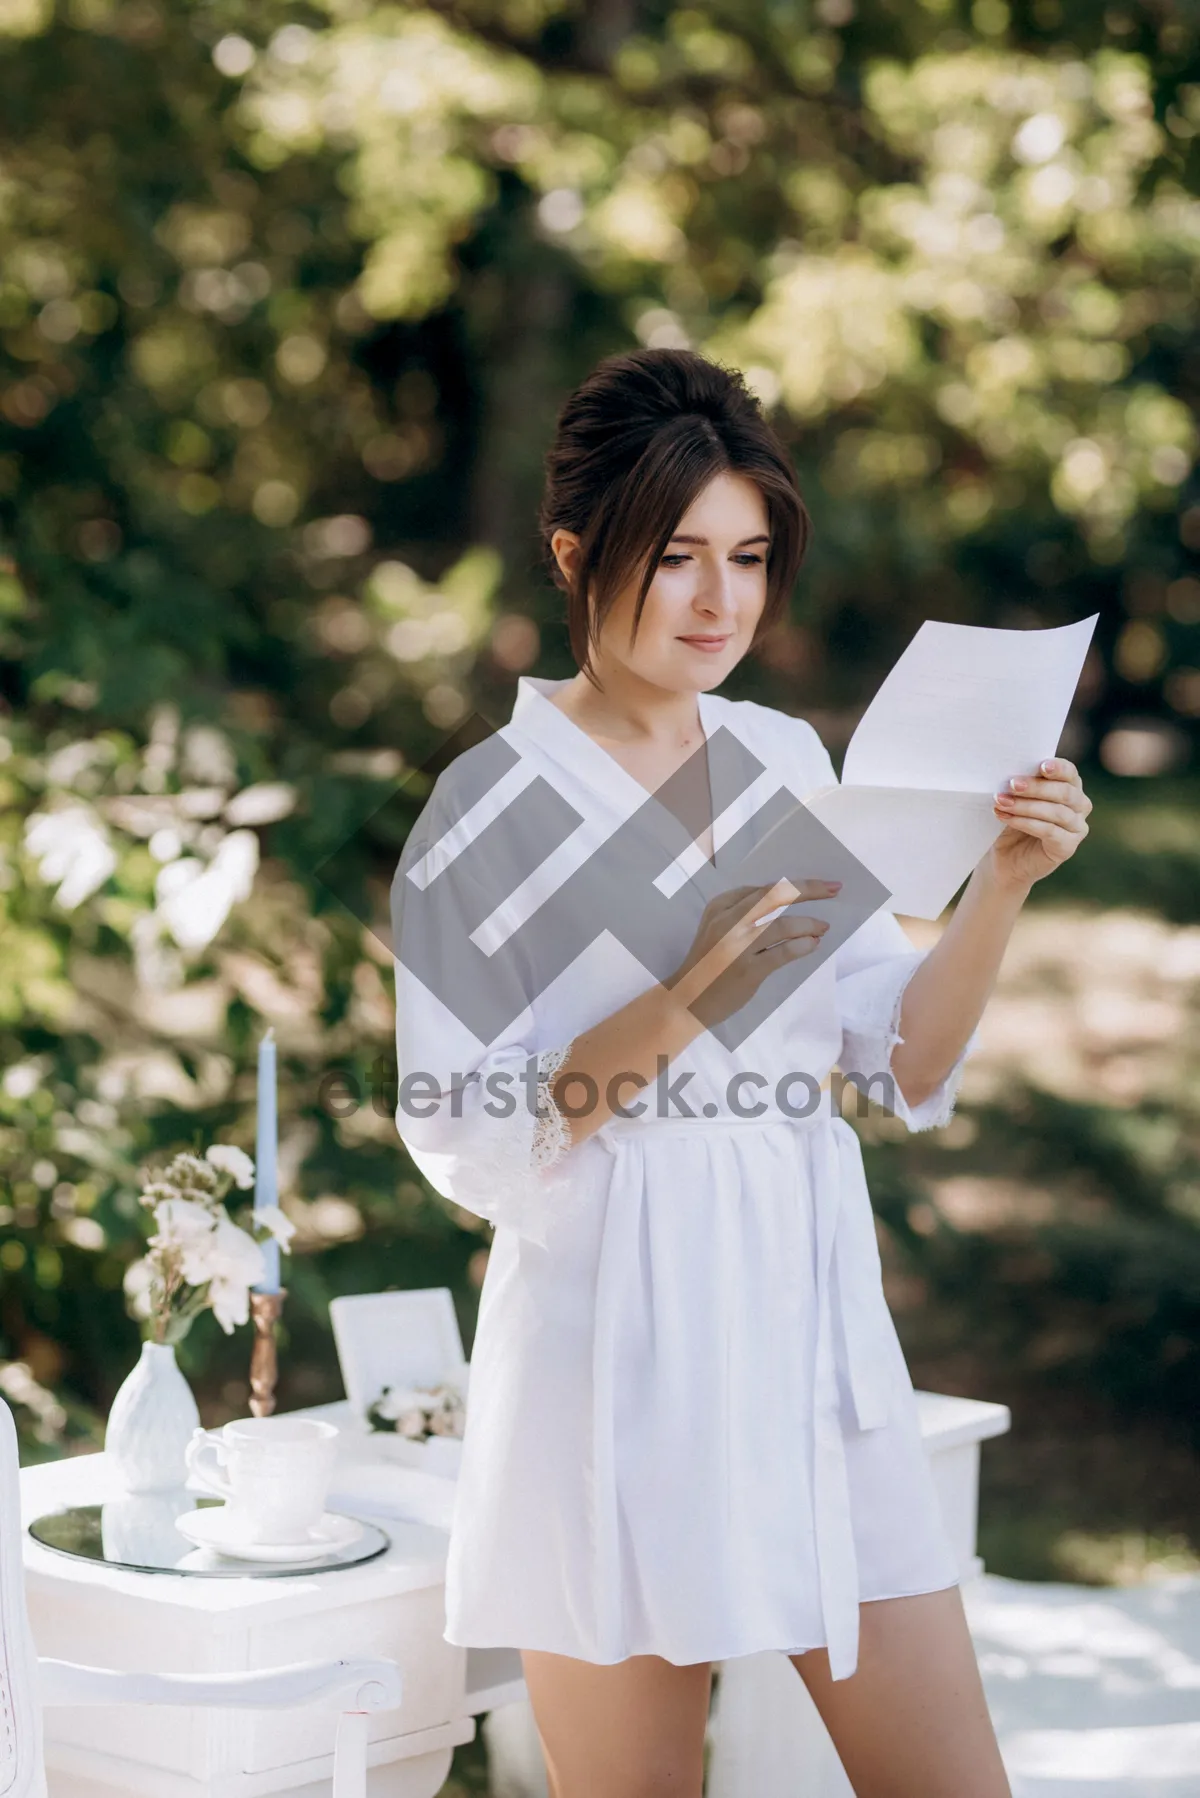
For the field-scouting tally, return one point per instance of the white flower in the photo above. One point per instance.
(418, 1412)
(448, 1410)
(230, 1301)
(231, 1262)
(211, 1247)
(236, 1255)
(277, 1222)
(189, 1169)
(182, 1224)
(395, 1401)
(139, 1282)
(234, 1162)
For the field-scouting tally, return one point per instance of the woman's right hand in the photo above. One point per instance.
(733, 953)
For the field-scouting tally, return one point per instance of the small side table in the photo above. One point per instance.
(393, 1606)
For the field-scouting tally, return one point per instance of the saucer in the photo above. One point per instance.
(211, 1528)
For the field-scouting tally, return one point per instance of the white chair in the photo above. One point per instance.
(353, 1688)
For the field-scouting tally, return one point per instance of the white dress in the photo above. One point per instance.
(691, 1429)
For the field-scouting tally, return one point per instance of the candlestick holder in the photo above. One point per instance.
(265, 1310)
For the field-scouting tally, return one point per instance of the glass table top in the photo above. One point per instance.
(137, 1532)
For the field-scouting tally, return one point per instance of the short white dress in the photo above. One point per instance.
(691, 1430)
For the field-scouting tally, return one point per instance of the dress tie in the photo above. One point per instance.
(850, 1302)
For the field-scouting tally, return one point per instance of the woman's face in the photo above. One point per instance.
(706, 597)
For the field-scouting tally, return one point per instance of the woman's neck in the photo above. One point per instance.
(631, 710)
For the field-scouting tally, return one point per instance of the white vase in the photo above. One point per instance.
(151, 1423)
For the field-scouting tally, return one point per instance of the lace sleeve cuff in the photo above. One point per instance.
(871, 1031)
(528, 1183)
(551, 1132)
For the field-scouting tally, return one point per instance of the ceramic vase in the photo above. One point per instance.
(151, 1423)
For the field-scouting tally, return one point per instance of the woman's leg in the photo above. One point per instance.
(632, 1730)
(912, 1720)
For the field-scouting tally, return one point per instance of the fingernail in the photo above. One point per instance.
(833, 883)
(1016, 783)
(1047, 767)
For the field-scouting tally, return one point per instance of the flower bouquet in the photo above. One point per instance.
(426, 1424)
(198, 1259)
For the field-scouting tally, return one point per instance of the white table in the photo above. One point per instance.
(392, 1606)
(952, 1430)
(766, 1736)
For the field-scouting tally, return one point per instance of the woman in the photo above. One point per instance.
(692, 1433)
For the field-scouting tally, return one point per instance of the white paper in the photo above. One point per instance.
(964, 708)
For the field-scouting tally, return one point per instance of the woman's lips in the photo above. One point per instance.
(711, 644)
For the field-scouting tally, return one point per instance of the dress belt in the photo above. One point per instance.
(849, 1297)
(850, 1304)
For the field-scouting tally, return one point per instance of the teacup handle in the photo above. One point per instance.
(204, 1455)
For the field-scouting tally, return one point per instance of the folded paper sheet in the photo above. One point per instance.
(964, 708)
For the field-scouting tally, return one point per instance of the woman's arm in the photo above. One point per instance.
(613, 1061)
(731, 956)
(944, 1000)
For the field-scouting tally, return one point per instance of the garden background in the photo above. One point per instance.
(289, 299)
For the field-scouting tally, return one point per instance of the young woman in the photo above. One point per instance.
(692, 1432)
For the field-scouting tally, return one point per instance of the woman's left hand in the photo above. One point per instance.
(1046, 817)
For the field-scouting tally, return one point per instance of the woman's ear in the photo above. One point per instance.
(565, 548)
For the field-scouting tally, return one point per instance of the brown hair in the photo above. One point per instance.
(635, 443)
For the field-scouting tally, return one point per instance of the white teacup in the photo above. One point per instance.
(274, 1473)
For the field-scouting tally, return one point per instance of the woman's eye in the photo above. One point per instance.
(676, 556)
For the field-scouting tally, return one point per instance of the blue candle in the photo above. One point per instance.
(266, 1172)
